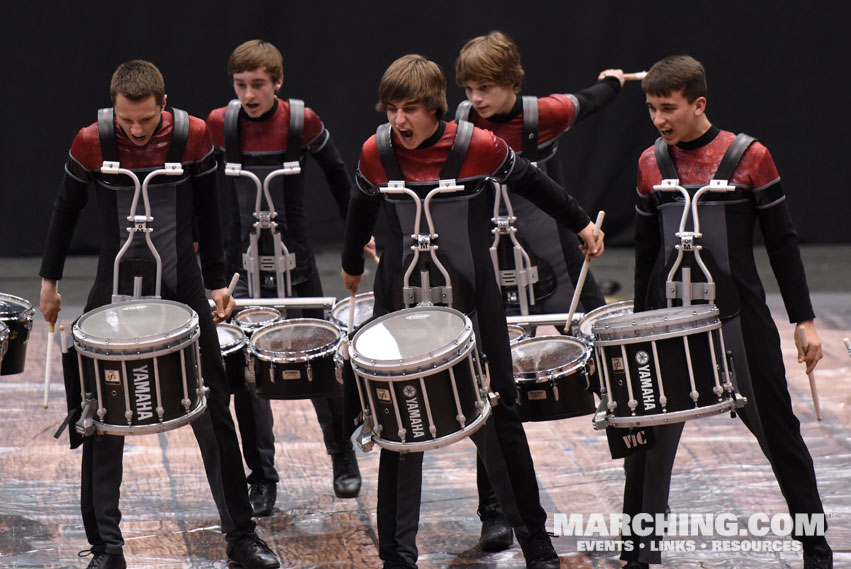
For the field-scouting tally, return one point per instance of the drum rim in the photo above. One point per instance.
(449, 352)
(600, 313)
(91, 344)
(298, 356)
(254, 326)
(25, 314)
(707, 320)
(604, 418)
(536, 376)
(242, 339)
(440, 442)
(337, 307)
(153, 428)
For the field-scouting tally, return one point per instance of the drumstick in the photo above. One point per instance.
(229, 293)
(47, 358)
(847, 345)
(801, 335)
(62, 342)
(582, 274)
(637, 76)
(351, 327)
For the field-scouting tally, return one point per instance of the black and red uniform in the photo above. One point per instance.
(727, 222)
(262, 145)
(462, 220)
(175, 204)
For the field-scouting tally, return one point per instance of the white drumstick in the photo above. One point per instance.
(62, 342)
(351, 328)
(229, 292)
(47, 358)
(582, 274)
(801, 335)
(637, 76)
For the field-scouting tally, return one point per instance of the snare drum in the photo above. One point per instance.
(663, 366)
(252, 318)
(516, 333)
(297, 359)
(364, 304)
(551, 378)
(584, 332)
(419, 378)
(17, 314)
(232, 344)
(140, 365)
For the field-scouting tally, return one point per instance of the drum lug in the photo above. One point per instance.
(555, 388)
(309, 372)
(85, 424)
(186, 403)
(493, 397)
(364, 438)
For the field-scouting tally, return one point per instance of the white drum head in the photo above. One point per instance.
(548, 355)
(657, 324)
(230, 337)
(136, 325)
(295, 340)
(606, 311)
(256, 317)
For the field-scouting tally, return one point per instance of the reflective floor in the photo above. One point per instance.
(170, 520)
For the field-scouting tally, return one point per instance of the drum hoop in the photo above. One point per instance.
(730, 403)
(602, 312)
(299, 356)
(449, 351)
(440, 442)
(25, 314)
(659, 335)
(137, 354)
(345, 302)
(541, 376)
(254, 326)
(238, 345)
(399, 371)
(152, 343)
(152, 428)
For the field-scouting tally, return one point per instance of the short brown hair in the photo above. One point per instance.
(492, 58)
(676, 73)
(137, 80)
(414, 78)
(257, 54)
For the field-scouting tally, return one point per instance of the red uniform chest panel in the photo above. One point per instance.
(268, 136)
(555, 115)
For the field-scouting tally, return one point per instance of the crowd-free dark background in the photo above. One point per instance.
(779, 71)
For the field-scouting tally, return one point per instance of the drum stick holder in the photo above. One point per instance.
(523, 275)
(281, 262)
(140, 225)
(424, 243)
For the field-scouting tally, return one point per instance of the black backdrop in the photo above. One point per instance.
(776, 70)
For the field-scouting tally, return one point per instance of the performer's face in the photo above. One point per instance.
(675, 118)
(256, 91)
(412, 122)
(138, 119)
(489, 99)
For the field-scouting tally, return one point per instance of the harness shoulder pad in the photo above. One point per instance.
(530, 128)
(295, 132)
(106, 134)
(734, 154)
(462, 113)
(663, 160)
(179, 135)
(452, 167)
(386, 153)
(233, 152)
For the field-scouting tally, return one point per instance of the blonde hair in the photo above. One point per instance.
(489, 59)
(257, 54)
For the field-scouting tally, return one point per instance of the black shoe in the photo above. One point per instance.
(251, 552)
(262, 497)
(346, 474)
(398, 565)
(636, 565)
(497, 533)
(103, 560)
(818, 556)
(539, 552)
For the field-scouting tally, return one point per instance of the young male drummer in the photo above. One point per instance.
(263, 129)
(142, 135)
(488, 68)
(691, 149)
(416, 147)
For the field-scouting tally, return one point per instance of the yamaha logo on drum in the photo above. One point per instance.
(409, 391)
(641, 357)
(414, 414)
(142, 391)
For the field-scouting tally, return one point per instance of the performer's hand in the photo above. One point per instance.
(616, 73)
(593, 244)
(813, 353)
(352, 282)
(222, 312)
(370, 251)
(50, 301)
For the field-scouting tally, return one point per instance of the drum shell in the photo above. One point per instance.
(233, 356)
(364, 304)
(4, 340)
(20, 324)
(584, 333)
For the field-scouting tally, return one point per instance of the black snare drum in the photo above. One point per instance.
(663, 366)
(17, 314)
(232, 343)
(364, 304)
(419, 378)
(551, 378)
(584, 332)
(252, 318)
(297, 359)
(140, 367)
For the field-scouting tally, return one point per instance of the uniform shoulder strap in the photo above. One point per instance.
(386, 153)
(233, 152)
(295, 132)
(733, 155)
(664, 160)
(179, 135)
(462, 113)
(530, 128)
(106, 134)
(452, 167)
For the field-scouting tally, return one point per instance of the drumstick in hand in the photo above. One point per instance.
(229, 293)
(62, 343)
(637, 76)
(801, 335)
(47, 358)
(582, 274)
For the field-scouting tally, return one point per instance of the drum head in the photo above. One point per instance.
(12, 306)
(515, 333)
(364, 304)
(548, 355)
(295, 340)
(255, 317)
(657, 324)
(139, 323)
(606, 311)
(230, 337)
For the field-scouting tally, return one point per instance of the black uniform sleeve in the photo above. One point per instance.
(362, 214)
(781, 243)
(529, 182)
(210, 246)
(72, 198)
(647, 245)
(596, 97)
(336, 173)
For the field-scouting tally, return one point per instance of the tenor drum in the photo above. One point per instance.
(419, 378)
(297, 359)
(140, 366)
(364, 304)
(232, 343)
(17, 314)
(516, 334)
(551, 378)
(584, 331)
(252, 318)
(663, 366)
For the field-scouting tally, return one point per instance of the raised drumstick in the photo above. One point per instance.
(582, 274)
(229, 292)
(637, 76)
(801, 335)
